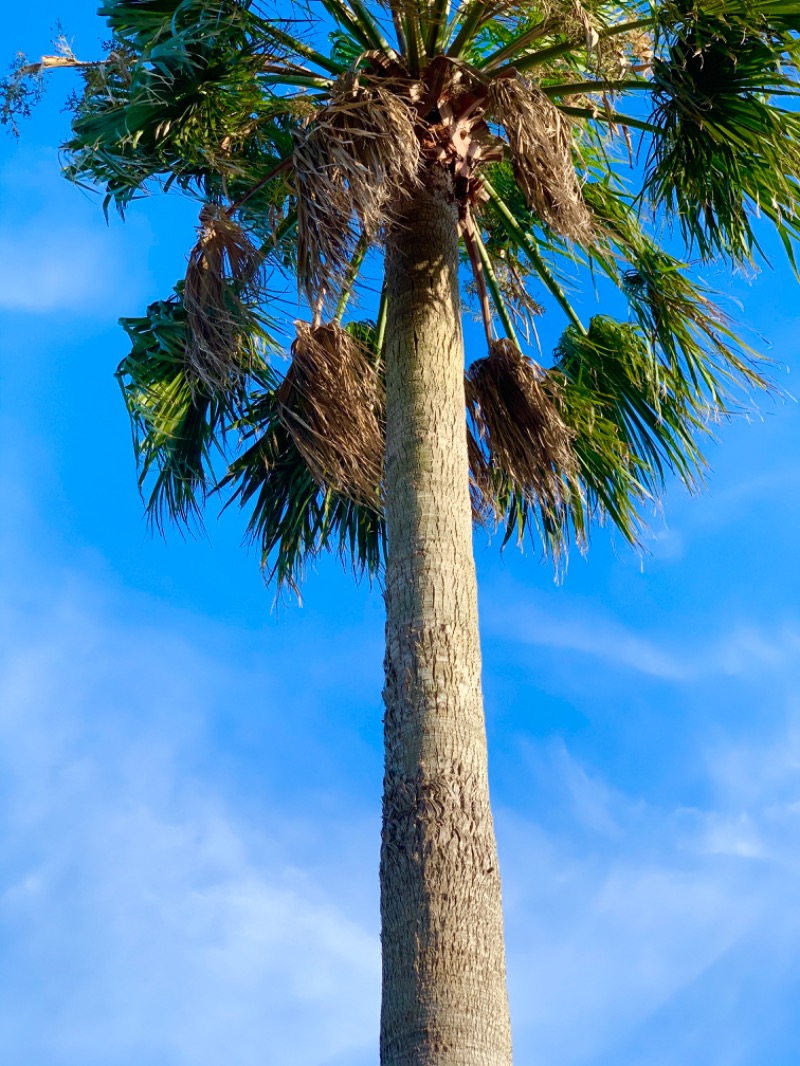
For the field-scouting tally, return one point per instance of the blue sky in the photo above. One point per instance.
(189, 782)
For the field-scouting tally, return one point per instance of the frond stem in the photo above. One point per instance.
(437, 25)
(380, 327)
(399, 30)
(365, 18)
(468, 232)
(306, 81)
(456, 17)
(554, 51)
(494, 288)
(516, 232)
(479, 10)
(301, 48)
(508, 51)
(413, 42)
(576, 88)
(612, 118)
(350, 278)
(279, 168)
(342, 14)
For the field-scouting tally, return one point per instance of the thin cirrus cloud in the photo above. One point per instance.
(654, 933)
(143, 917)
(149, 913)
(736, 648)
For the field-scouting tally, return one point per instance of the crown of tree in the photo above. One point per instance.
(300, 154)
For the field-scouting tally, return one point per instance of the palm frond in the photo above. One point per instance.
(727, 151)
(167, 104)
(331, 403)
(436, 25)
(610, 489)
(225, 273)
(302, 153)
(676, 313)
(694, 337)
(524, 450)
(358, 155)
(525, 243)
(657, 419)
(541, 148)
(293, 517)
(357, 23)
(179, 425)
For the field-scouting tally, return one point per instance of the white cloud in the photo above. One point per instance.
(143, 917)
(586, 631)
(746, 648)
(606, 943)
(742, 648)
(634, 919)
(151, 914)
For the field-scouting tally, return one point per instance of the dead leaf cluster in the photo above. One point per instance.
(540, 140)
(331, 402)
(225, 269)
(360, 154)
(520, 432)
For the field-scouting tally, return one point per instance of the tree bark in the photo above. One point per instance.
(444, 981)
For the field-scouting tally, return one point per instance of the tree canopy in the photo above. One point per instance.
(625, 137)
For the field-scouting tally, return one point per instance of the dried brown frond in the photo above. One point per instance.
(512, 281)
(541, 148)
(520, 431)
(623, 54)
(481, 491)
(331, 402)
(224, 269)
(359, 155)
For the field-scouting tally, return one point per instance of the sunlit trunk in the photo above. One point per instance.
(444, 981)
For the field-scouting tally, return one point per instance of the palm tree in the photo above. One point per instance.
(476, 145)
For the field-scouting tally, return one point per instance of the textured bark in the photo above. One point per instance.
(444, 982)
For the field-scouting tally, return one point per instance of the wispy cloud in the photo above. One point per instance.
(151, 910)
(637, 919)
(591, 633)
(574, 626)
(143, 916)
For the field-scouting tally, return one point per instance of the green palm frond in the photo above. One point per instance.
(694, 337)
(655, 417)
(180, 113)
(609, 487)
(179, 424)
(293, 517)
(524, 244)
(675, 312)
(726, 151)
(143, 24)
(301, 137)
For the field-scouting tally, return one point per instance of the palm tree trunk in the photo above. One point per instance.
(444, 982)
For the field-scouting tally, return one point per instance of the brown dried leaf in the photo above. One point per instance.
(359, 155)
(331, 402)
(541, 147)
(520, 429)
(224, 268)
